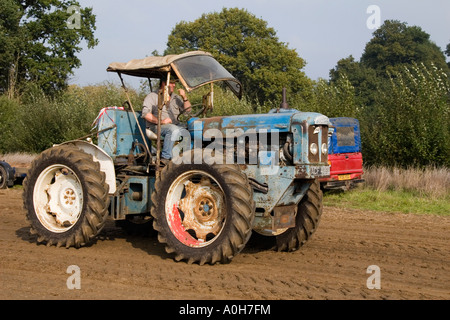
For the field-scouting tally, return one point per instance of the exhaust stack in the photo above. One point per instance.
(284, 104)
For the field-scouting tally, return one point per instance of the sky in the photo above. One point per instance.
(321, 31)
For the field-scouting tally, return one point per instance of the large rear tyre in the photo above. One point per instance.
(307, 220)
(203, 214)
(65, 197)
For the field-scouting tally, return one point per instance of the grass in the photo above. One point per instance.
(388, 201)
(413, 190)
(426, 182)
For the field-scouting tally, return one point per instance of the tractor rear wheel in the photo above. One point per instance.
(203, 214)
(65, 197)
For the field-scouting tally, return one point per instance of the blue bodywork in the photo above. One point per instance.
(123, 131)
(292, 121)
(285, 184)
(284, 191)
(132, 197)
(121, 136)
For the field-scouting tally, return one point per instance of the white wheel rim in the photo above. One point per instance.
(195, 209)
(58, 198)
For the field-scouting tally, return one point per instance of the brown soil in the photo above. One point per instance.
(412, 252)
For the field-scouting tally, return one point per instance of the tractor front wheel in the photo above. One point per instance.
(306, 222)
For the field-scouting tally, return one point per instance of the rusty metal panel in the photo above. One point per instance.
(284, 217)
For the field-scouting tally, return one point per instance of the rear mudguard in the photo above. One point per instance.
(100, 156)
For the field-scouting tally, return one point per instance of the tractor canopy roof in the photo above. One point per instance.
(194, 69)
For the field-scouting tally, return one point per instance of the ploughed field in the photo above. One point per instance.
(405, 256)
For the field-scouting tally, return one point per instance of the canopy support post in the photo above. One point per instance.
(144, 138)
(161, 102)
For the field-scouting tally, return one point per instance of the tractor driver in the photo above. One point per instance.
(169, 116)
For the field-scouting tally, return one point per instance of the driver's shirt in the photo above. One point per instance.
(172, 111)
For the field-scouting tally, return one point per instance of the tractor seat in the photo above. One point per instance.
(150, 134)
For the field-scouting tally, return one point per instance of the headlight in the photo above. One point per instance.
(324, 148)
(313, 148)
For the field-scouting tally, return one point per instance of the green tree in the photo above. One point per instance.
(248, 48)
(447, 52)
(336, 99)
(395, 45)
(37, 43)
(363, 79)
(410, 123)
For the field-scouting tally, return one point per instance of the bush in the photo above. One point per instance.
(407, 124)
(335, 99)
(225, 102)
(8, 124)
(36, 121)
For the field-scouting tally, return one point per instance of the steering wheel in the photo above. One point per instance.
(188, 115)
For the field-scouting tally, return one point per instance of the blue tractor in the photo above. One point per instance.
(230, 176)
